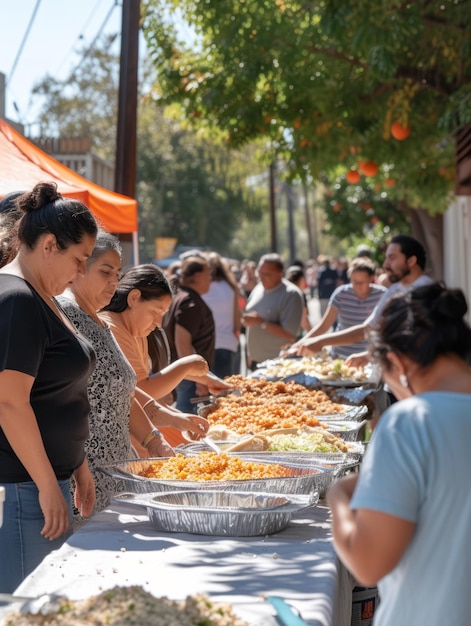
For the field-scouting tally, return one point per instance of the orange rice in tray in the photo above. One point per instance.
(264, 405)
(211, 466)
(255, 419)
(258, 391)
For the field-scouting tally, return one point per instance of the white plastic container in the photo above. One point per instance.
(2, 500)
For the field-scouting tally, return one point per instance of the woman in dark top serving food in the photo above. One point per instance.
(44, 368)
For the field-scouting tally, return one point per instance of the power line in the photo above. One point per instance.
(91, 46)
(81, 34)
(23, 42)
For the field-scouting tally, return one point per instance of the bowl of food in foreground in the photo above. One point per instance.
(229, 514)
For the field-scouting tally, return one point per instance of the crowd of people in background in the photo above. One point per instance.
(343, 302)
(127, 355)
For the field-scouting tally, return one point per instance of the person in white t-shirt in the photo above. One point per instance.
(223, 300)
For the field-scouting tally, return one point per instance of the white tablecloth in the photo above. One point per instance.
(119, 547)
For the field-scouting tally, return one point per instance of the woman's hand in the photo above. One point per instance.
(195, 364)
(84, 489)
(159, 447)
(215, 385)
(55, 510)
(173, 418)
(196, 426)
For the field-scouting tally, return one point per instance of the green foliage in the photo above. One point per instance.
(360, 208)
(315, 79)
(84, 105)
(189, 186)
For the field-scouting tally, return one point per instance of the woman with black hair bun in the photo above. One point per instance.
(44, 368)
(403, 522)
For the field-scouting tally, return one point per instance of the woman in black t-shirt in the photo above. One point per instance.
(44, 368)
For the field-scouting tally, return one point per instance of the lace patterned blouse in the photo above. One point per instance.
(109, 393)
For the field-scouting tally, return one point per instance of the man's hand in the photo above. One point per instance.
(252, 319)
(309, 347)
(360, 359)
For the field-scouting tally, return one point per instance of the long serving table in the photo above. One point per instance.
(119, 547)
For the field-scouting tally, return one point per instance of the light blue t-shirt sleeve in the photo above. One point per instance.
(392, 478)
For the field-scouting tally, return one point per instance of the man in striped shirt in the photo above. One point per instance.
(350, 305)
(404, 265)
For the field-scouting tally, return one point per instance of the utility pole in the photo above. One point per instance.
(273, 243)
(290, 208)
(125, 167)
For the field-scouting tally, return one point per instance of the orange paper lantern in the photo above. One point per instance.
(400, 132)
(368, 168)
(352, 177)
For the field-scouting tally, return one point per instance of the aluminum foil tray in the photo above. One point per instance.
(355, 452)
(350, 412)
(333, 465)
(300, 480)
(229, 514)
(348, 430)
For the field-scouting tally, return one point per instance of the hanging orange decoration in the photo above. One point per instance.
(352, 177)
(400, 132)
(368, 168)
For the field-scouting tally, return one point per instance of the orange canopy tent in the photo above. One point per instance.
(23, 165)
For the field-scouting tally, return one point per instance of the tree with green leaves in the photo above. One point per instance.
(188, 187)
(326, 84)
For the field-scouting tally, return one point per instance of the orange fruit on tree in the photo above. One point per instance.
(368, 168)
(400, 132)
(390, 182)
(352, 177)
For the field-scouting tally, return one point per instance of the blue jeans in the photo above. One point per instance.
(225, 362)
(22, 547)
(186, 390)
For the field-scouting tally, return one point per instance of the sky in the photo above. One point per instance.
(59, 29)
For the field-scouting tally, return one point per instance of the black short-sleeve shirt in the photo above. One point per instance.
(190, 311)
(33, 340)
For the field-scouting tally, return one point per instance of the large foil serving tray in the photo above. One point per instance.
(230, 514)
(299, 480)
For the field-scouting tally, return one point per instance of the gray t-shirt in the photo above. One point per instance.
(282, 305)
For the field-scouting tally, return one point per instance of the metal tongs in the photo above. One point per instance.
(211, 398)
